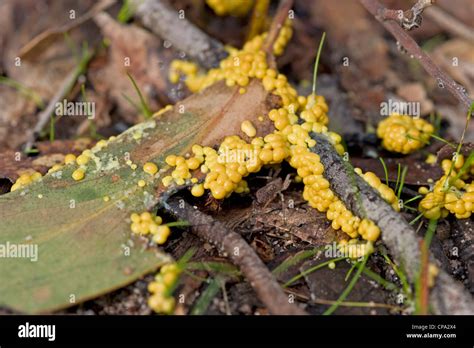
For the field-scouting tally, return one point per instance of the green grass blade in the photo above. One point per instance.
(348, 289)
(145, 109)
(316, 63)
(206, 297)
(311, 270)
(384, 169)
(293, 260)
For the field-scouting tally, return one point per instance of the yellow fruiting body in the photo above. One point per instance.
(431, 159)
(354, 250)
(404, 134)
(161, 299)
(197, 190)
(236, 8)
(69, 158)
(78, 174)
(26, 179)
(141, 183)
(146, 223)
(54, 168)
(449, 196)
(226, 167)
(82, 159)
(161, 235)
(150, 168)
(248, 128)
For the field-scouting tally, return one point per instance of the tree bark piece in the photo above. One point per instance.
(166, 22)
(447, 296)
(240, 253)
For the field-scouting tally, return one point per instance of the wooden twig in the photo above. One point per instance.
(409, 19)
(185, 36)
(278, 20)
(239, 252)
(450, 23)
(443, 79)
(63, 90)
(447, 296)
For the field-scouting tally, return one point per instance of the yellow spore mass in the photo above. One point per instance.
(161, 300)
(26, 179)
(78, 174)
(237, 8)
(82, 159)
(248, 128)
(145, 223)
(235, 158)
(404, 134)
(150, 168)
(449, 195)
(69, 158)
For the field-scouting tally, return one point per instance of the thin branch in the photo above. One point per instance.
(408, 20)
(61, 93)
(240, 253)
(171, 25)
(447, 296)
(278, 21)
(450, 23)
(410, 45)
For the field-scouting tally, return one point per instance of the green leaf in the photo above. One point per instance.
(206, 297)
(83, 241)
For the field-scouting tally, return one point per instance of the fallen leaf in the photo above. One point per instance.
(83, 240)
(134, 50)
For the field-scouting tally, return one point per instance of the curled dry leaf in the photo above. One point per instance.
(136, 51)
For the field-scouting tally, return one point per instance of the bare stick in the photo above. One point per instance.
(240, 253)
(63, 90)
(443, 79)
(166, 22)
(278, 21)
(450, 23)
(409, 19)
(447, 296)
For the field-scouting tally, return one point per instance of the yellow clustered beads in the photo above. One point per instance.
(238, 8)
(354, 250)
(449, 197)
(161, 300)
(81, 161)
(79, 174)
(290, 141)
(26, 179)
(239, 67)
(84, 158)
(404, 134)
(144, 224)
